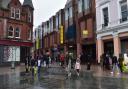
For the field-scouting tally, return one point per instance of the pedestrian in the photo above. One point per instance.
(39, 65)
(115, 68)
(78, 66)
(68, 68)
(121, 60)
(62, 57)
(89, 59)
(47, 61)
(35, 69)
(107, 62)
(33, 63)
(26, 64)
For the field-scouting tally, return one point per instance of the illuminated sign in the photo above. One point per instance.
(85, 33)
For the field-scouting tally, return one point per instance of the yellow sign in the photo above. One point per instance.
(84, 33)
(61, 35)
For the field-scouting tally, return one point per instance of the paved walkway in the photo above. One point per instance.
(55, 68)
(55, 78)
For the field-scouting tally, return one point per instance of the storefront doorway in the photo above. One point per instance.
(109, 48)
(89, 49)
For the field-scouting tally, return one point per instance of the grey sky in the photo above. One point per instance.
(44, 9)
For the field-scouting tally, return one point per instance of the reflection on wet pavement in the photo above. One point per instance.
(59, 81)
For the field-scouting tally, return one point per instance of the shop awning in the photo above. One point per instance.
(15, 43)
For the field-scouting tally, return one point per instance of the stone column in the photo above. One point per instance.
(100, 48)
(117, 46)
(78, 49)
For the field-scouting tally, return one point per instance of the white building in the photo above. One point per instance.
(112, 27)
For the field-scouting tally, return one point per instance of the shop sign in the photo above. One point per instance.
(61, 35)
(85, 33)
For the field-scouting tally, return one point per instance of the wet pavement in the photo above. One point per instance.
(55, 78)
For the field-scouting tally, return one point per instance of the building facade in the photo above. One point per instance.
(16, 28)
(112, 27)
(72, 29)
(53, 33)
(86, 28)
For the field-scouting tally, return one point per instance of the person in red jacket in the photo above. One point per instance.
(62, 57)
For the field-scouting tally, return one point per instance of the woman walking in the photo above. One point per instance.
(78, 66)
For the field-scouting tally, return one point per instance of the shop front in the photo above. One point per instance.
(13, 51)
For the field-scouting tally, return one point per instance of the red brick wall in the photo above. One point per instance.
(23, 24)
(1, 31)
(90, 27)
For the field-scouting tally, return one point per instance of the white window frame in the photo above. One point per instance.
(60, 19)
(12, 12)
(86, 5)
(29, 34)
(29, 17)
(11, 31)
(52, 25)
(70, 12)
(120, 12)
(17, 12)
(102, 17)
(66, 14)
(57, 23)
(80, 6)
(19, 32)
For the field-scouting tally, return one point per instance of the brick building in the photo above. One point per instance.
(54, 33)
(86, 27)
(16, 27)
(73, 29)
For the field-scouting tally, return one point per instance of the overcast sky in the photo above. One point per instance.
(44, 9)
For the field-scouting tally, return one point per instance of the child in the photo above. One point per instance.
(35, 70)
(77, 66)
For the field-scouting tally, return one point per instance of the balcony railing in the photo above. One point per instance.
(104, 25)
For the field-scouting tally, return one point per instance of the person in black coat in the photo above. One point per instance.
(33, 63)
(89, 61)
(46, 59)
(27, 63)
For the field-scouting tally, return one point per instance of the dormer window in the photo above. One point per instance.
(17, 13)
(12, 12)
